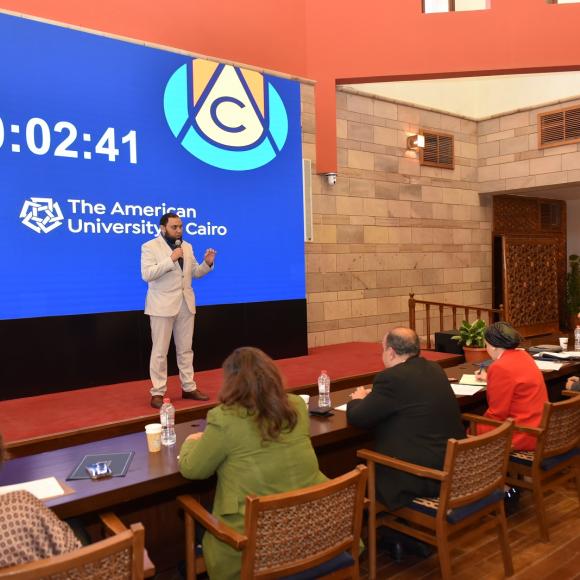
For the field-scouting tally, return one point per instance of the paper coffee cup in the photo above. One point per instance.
(153, 432)
(564, 342)
(305, 398)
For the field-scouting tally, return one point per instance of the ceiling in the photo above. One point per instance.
(565, 191)
(480, 97)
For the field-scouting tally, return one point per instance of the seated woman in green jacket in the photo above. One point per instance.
(257, 441)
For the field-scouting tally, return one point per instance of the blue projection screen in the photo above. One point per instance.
(100, 137)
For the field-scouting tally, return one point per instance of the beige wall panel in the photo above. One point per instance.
(389, 226)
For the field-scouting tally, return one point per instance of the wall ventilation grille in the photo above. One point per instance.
(438, 151)
(559, 127)
(550, 216)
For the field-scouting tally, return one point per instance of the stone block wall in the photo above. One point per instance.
(390, 226)
(509, 158)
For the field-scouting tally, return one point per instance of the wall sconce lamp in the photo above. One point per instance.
(416, 142)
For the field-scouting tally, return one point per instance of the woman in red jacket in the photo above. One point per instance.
(515, 386)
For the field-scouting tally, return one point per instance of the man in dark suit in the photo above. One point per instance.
(412, 411)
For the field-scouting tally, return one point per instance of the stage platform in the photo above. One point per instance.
(56, 420)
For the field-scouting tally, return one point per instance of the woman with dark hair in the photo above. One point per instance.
(258, 442)
(29, 530)
(515, 386)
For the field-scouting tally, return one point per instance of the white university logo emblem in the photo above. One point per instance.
(41, 214)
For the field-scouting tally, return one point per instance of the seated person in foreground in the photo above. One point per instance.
(29, 530)
(515, 385)
(412, 411)
(257, 441)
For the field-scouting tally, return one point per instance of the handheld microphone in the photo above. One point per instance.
(178, 245)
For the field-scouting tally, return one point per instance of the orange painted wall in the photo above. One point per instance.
(328, 40)
(267, 34)
(391, 40)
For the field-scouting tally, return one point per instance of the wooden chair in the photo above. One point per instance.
(119, 557)
(113, 525)
(556, 459)
(278, 539)
(471, 498)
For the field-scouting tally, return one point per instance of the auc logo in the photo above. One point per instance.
(41, 214)
(226, 116)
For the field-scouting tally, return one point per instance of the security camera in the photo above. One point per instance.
(330, 178)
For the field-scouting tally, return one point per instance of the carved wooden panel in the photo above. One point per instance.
(533, 218)
(513, 214)
(531, 283)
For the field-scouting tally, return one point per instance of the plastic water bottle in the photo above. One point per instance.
(323, 390)
(167, 420)
(577, 338)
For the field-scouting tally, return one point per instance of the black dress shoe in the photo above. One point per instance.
(417, 547)
(512, 493)
(156, 401)
(397, 552)
(196, 395)
(511, 500)
(390, 541)
(399, 544)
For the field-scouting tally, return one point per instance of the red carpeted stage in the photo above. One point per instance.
(55, 420)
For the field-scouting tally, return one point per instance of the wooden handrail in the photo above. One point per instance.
(493, 314)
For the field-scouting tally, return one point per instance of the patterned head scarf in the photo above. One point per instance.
(502, 335)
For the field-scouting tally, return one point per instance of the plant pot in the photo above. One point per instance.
(474, 354)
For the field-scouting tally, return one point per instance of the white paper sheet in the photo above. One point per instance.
(466, 389)
(546, 365)
(341, 407)
(472, 380)
(41, 488)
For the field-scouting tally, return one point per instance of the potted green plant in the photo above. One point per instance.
(573, 289)
(471, 338)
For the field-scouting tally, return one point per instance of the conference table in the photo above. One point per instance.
(148, 473)
(147, 492)
(335, 443)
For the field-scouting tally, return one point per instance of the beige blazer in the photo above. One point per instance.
(168, 283)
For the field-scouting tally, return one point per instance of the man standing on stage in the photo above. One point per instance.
(168, 265)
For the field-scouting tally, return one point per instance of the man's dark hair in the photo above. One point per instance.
(165, 218)
(403, 341)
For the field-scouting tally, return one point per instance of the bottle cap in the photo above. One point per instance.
(166, 400)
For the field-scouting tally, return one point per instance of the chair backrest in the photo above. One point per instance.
(561, 425)
(298, 530)
(476, 467)
(119, 557)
